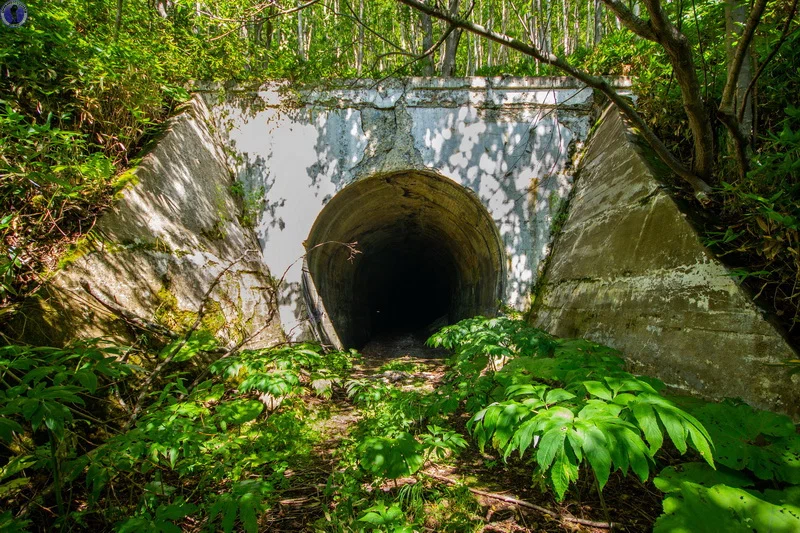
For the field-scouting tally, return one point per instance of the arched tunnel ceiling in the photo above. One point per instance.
(427, 246)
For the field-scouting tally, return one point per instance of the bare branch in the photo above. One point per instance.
(354, 17)
(415, 58)
(244, 21)
(127, 316)
(273, 305)
(201, 311)
(527, 505)
(632, 22)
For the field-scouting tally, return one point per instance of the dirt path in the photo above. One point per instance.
(405, 362)
(304, 496)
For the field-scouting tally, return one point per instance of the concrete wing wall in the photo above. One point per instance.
(157, 251)
(629, 270)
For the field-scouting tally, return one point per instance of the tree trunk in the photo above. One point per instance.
(451, 44)
(681, 57)
(735, 18)
(565, 26)
(598, 21)
(469, 71)
(270, 28)
(427, 43)
(661, 30)
(162, 6)
(360, 50)
(301, 48)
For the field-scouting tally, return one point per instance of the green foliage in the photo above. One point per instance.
(160, 521)
(245, 501)
(762, 232)
(13, 525)
(440, 442)
(751, 447)
(569, 401)
(391, 519)
(391, 458)
(200, 341)
(702, 500)
(215, 453)
(276, 371)
(763, 443)
(205, 453)
(51, 384)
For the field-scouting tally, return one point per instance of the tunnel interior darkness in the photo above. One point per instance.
(428, 252)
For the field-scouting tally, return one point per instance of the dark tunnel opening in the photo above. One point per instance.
(428, 253)
(407, 287)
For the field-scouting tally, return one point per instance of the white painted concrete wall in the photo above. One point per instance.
(508, 140)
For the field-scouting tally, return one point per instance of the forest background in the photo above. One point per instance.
(85, 86)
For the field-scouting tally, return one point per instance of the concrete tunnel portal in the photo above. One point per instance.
(428, 250)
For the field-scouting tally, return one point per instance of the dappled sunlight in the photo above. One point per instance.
(501, 139)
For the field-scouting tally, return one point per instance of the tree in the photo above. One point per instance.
(679, 48)
(659, 29)
(451, 43)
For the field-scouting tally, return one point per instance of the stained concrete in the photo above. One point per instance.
(156, 253)
(629, 270)
(507, 141)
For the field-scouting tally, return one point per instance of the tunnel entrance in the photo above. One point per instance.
(428, 253)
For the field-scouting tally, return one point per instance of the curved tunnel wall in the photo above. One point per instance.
(427, 249)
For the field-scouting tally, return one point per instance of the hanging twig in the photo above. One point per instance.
(273, 307)
(527, 505)
(201, 311)
(244, 21)
(127, 316)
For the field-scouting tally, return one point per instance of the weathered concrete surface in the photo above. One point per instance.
(509, 141)
(160, 248)
(629, 270)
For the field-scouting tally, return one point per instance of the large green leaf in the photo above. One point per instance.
(760, 441)
(692, 506)
(680, 425)
(391, 458)
(200, 341)
(238, 411)
(670, 479)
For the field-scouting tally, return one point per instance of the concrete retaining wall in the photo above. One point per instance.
(507, 140)
(158, 250)
(629, 270)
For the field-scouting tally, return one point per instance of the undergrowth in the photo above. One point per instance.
(219, 453)
(207, 457)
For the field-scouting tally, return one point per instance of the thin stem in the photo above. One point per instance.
(56, 473)
(602, 499)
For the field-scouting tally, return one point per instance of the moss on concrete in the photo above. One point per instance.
(172, 316)
(124, 180)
